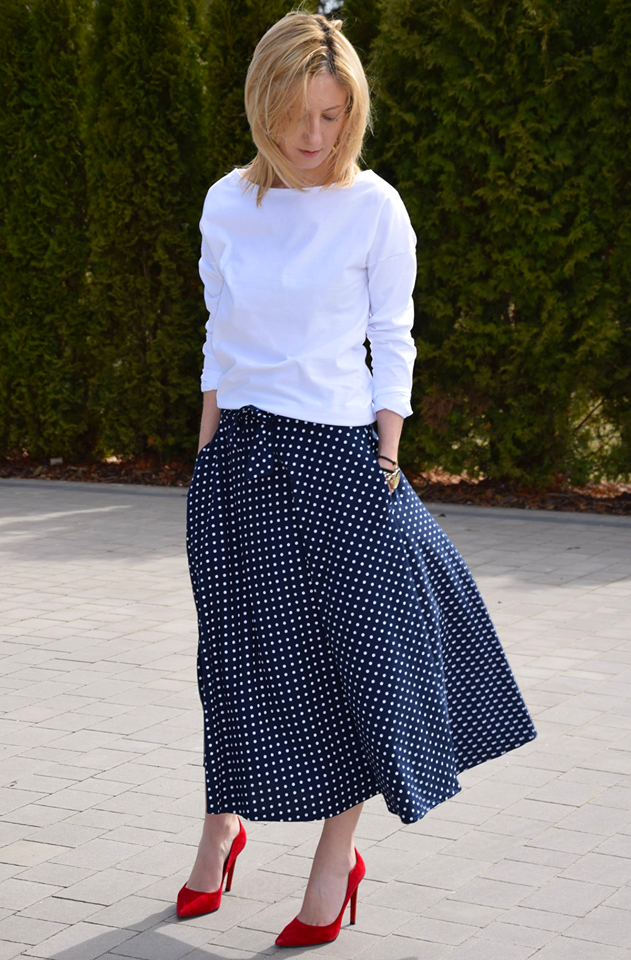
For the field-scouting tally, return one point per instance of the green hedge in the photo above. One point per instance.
(45, 361)
(505, 126)
(144, 145)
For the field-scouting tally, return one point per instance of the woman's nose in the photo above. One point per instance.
(312, 130)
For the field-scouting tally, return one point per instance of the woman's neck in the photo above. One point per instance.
(278, 183)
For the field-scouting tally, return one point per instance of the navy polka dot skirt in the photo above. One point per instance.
(344, 647)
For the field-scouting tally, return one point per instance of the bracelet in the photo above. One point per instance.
(393, 477)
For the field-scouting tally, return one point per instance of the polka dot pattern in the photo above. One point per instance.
(344, 647)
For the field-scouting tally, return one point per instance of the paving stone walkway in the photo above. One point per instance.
(101, 782)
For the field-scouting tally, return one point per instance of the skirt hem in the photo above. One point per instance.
(296, 819)
(499, 752)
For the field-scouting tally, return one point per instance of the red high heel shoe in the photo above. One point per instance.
(298, 934)
(192, 903)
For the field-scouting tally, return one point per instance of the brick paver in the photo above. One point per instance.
(101, 782)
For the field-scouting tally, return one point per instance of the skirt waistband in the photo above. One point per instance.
(260, 460)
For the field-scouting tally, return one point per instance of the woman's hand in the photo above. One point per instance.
(389, 426)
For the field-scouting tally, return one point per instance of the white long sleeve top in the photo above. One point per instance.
(294, 287)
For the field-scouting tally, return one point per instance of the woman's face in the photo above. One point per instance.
(308, 140)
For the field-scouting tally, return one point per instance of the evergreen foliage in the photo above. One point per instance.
(610, 449)
(144, 156)
(488, 127)
(361, 25)
(505, 126)
(44, 363)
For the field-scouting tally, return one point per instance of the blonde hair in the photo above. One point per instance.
(295, 49)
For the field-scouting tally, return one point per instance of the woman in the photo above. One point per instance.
(344, 648)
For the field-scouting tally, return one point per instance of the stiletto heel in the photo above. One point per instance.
(298, 934)
(230, 872)
(192, 903)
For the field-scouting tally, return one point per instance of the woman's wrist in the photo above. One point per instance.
(389, 426)
(211, 415)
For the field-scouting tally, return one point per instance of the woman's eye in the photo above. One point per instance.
(332, 119)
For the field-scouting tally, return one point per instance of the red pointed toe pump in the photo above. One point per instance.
(298, 934)
(192, 903)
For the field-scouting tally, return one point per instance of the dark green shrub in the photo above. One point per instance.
(44, 362)
(609, 450)
(488, 127)
(144, 155)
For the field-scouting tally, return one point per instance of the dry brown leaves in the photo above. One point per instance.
(434, 485)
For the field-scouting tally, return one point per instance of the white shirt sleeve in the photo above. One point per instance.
(213, 285)
(391, 265)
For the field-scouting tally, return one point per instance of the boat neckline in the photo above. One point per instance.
(237, 171)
